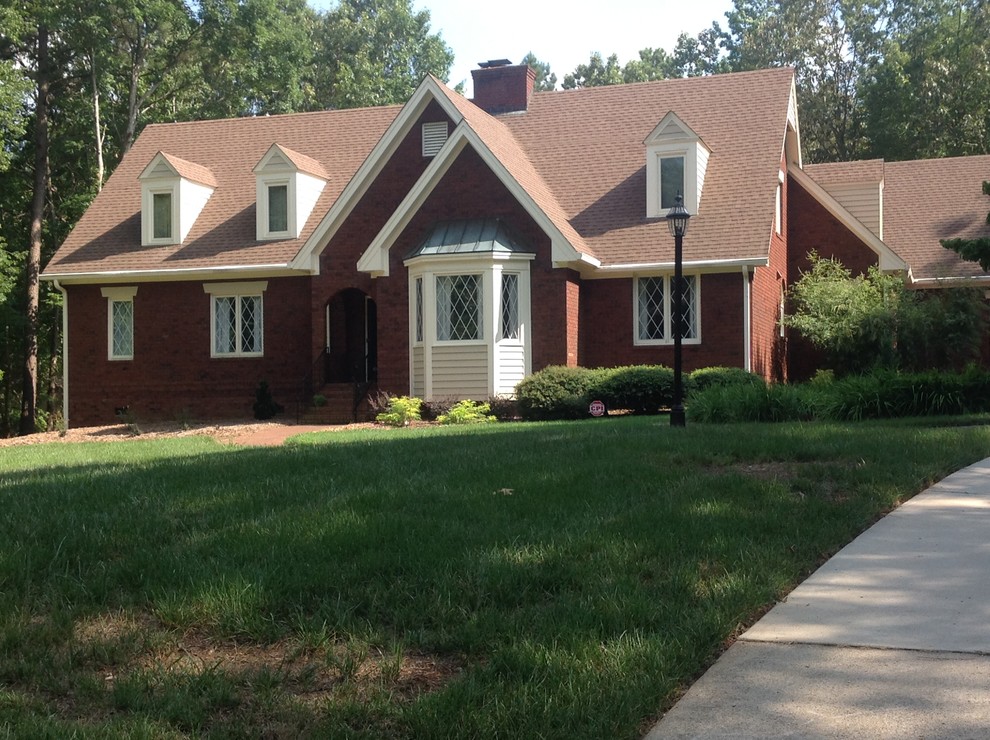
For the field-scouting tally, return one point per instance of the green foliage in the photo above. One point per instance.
(265, 406)
(556, 392)
(874, 321)
(319, 400)
(467, 412)
(706, 377)
(881, 394)
(642, 389)
(546, 81)
(402, 410)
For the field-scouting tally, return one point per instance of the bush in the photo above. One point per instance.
(265, 406)
(467, 412)
(556, 392)
(643, 389)
(708, 377)
(503, 408)
(753, 402)
(432, 410)
(401, 411)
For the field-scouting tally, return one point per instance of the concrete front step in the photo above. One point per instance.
(339, 407)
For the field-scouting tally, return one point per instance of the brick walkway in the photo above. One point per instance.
(274, 435)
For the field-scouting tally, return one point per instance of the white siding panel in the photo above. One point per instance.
(419, 378)
(461, 371)
(862, 200)
(511, 368)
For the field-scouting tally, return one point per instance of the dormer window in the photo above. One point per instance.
(161, 215)
(173, 194)
(278, 209)
(676, 162)
(288, 186)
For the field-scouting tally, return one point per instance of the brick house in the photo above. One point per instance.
(449, 248)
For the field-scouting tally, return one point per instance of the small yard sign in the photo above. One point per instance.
(597, 408)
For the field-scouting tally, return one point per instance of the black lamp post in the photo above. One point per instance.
(677, 222)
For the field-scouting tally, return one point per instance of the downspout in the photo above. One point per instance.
(65, 352)
(747, 322)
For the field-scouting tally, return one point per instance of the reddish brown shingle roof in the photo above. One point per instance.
(303, 163)
(931, 199)
(579, 154)
(191, 170)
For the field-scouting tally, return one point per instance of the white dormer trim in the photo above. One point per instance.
(187, 198)
(428, 91)
(277, 169)
(672, 137)
(375, 258)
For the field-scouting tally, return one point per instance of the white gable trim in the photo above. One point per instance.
(888, 259)
(428, 90)
(375, 257)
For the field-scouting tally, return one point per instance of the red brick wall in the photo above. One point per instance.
(768, 348)
(812, 228)
(607, 326)
(172, 373)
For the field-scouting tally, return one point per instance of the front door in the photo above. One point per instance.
(352, 338)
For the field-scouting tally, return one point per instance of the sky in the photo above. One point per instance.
(563, 34)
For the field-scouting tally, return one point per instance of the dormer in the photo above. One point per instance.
(676, 161)
(288, 186)
(173, 194)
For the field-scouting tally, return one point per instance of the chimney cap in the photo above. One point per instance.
(495, 63)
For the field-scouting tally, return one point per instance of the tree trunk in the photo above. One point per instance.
(29, 397)
(97, 125)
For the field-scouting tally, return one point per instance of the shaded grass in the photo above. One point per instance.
(563, 579)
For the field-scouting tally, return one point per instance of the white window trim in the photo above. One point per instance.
(235, 290)
(668, 281)
(264, 183)
(684, 175)
(121, 294)
(148, 214)
(269, 233)
(418, 319)
(778, 205)
(500, 339)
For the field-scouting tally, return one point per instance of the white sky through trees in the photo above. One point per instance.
(564, 34)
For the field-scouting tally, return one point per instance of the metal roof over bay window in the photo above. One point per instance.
(470, 236)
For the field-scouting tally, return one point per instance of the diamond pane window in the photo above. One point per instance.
(237, 325)
(651, 308)
(690, 307)
(278, 208)
(510, 306)
(671, 180)
(121, 330)
(161, 215)
(419, 309)
(458, 307)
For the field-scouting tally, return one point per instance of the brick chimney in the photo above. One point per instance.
(502, 87)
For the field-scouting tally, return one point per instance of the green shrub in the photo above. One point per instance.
(467, 412)
(707, 377)
(401, 411)
(753, 402)
(319, 400)
(642, 389)
(883, 395)
(556, 392)
(265, 406)
(433, 409)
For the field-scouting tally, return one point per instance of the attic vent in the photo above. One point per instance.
(434, 137)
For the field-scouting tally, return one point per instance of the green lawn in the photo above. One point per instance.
(517, 580)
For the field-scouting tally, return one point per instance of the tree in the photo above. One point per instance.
(596, 73)
(653, 64)
(375, 52)
(973, 250)
(545, 81)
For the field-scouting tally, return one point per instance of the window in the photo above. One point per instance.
(419, 309)
(161, 215)
(509, 318)
(278, 209)
(778, 205)
(458, 307)
(654, 320)
(120, 322)
(237, 325)
(434, 137)
(671, 180)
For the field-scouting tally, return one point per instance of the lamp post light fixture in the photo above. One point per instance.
(677, 223)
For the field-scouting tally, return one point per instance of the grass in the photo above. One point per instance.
(522, 580)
